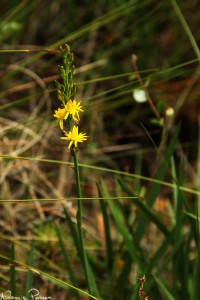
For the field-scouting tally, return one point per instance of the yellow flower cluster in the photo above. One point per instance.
(71, 110)
(72, 107)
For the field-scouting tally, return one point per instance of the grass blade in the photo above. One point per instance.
(66, 260)
(29, 283)
(128, 239)
(155, 188)
(186, 28)
(51, 278)
(198, 187)
(76, 243)
(146, 209)
(72, 230)
(164, 289)
(12, 272)
(107, 230)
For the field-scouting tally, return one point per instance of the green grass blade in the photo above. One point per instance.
(155, 188)
(164, 289)
(103, 169)
(195, 287)
(192, 216)
(51, 278)
(93, 285)
(74, 235)
(127, 237)
(107, 231)
(198, 186)
(178, 198)
(158, 256)
(178, 228)
(124, 275)
(164, 263)
(72, 230)
(12, 272)
(186, 28)
(66, 259)
(187, 265)
(29, 283)
(145, 208)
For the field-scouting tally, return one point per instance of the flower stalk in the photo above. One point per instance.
(66, 115)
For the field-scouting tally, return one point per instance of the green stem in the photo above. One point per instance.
(186, 28)
(77, 174)
(79, 222)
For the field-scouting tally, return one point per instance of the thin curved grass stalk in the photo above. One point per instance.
(49, 277)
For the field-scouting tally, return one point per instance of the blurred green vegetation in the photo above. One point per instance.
(146, 175)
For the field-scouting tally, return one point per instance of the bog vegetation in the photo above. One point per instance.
(100, 155)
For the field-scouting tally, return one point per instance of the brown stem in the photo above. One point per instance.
(139, 78)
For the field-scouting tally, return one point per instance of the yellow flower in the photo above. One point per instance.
(74, 137)
(73, 108)
(61, 115)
